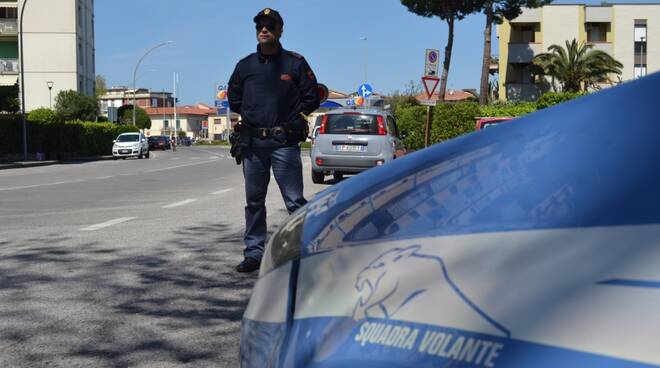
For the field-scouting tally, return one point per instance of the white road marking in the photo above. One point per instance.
(177, 204)
(41, 185)
(176, 167)
(105, 177)
(175, 158)
(221, 191)
(213, 157)
(107, 223)
(194, 158)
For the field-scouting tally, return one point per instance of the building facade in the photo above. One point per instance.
(144, 98)
(628, 32)
(190, 120)
(58, 46)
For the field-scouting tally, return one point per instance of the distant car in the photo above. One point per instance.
(483, 123)
(159, 142)
(534, 244)
(350, 141)
(130, 145)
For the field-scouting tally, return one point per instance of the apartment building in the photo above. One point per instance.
(120, 96)
(58, 46)
(628, 32)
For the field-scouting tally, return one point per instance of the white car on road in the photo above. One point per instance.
(130, 145)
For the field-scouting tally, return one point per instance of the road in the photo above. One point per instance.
(126, 263)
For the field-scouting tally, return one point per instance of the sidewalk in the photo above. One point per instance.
(20, 164)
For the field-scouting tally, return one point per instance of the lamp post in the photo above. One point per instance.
(364, 38)
(136, 69)
(20, 33)
(50, 85)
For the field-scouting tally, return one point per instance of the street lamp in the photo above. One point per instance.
(364, 38)
(50, 85)
(20, 35)
(136, 69)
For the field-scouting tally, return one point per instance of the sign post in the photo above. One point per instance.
(430, 83)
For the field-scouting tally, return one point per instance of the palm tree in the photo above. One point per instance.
(577, 67)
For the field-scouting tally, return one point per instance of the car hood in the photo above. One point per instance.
(533, 244)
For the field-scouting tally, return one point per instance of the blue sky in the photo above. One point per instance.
(212, 35)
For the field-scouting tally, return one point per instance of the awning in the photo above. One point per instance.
(8, 80)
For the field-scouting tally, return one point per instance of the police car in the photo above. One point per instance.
(536, 244)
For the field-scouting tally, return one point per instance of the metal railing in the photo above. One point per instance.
(9, 66)
(8, 27)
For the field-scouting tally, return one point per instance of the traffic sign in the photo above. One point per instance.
(365, 91)
(428, 102)
(221, 103)
(430, 84)
(431, 62)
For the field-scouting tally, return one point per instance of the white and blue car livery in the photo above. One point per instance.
(535, 243)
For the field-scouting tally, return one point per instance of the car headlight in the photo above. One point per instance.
(284, 245)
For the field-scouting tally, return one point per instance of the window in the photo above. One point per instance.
(351, 124)
(166, 124)
(597, 32)
(178, 124)
(641, 49)
(391, 127)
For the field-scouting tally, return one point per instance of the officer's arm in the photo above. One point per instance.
(235, 91)
(309, 89)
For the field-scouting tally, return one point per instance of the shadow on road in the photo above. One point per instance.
(178, 303)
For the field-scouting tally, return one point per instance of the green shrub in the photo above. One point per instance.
(411, 120)
(507, 109)
(43, 114)
(553, 98)
(70, 139)
(71, 105)
(453, 119)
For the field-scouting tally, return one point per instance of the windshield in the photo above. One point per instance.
(128, 138)
(351, 124)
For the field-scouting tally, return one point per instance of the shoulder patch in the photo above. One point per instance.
(296, 55)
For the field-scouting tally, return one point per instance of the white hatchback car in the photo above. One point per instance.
(130, 145)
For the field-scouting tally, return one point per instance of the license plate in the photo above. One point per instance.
(124, 151)
(350, 148)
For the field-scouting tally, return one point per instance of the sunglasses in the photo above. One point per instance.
(270, 27)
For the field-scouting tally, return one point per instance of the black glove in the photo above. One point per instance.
(297, 130)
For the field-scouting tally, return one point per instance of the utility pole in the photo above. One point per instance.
(20, 33)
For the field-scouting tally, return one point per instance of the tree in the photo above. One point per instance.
(449, 11)
(9, 101)
(100, 85)
(496, 11)
(142, 119)
(577, 67)
(72, 105)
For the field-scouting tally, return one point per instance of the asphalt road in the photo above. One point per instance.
(126, 263)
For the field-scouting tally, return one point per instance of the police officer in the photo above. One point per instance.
(270, 89)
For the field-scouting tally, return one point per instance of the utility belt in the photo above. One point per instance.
(293, 131)
(265, 133)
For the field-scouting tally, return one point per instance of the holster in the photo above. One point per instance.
(297, 129)
(239, 139)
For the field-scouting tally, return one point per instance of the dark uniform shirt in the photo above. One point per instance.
(268, 90)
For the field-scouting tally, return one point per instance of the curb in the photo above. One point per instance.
(22, 164)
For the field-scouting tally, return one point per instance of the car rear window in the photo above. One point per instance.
(351, 124)
(128, 138)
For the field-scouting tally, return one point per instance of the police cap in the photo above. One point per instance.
(269, 13)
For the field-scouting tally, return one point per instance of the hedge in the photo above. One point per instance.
(453, 119)
(59, 140)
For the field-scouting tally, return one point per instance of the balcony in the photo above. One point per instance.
(9, 66)
(522, 92)
(8, 27)
(523, 52)
(603, 46)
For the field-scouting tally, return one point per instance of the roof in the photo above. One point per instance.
(180, 110)
(450, 96)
